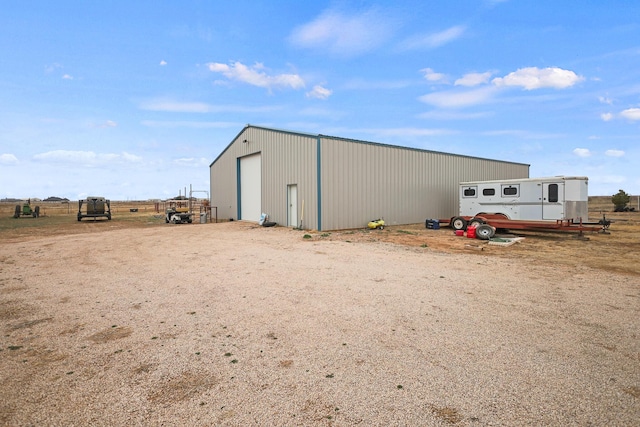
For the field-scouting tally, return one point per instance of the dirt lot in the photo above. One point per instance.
(136, 322)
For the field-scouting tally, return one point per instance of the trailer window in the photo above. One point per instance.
(488, 191)
(510, 191)
(469, 192)
(553, 193)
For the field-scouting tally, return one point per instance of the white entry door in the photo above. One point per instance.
(250, 188)
(552, 200)
(292, 200)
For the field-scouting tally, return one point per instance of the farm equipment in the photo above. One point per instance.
(177, 215)
(96, 207)
(376, 224)
(25, 210)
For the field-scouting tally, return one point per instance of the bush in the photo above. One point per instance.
(620, 201)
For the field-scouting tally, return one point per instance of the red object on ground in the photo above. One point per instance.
(459, 232)
(471, 232)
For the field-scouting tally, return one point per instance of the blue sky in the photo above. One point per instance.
(133, 100)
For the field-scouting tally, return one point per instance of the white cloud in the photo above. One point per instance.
(189, 124)
(434, 40)
(456, 99)
(163, 62)
(473, 79)
(453, 115)
(105, 124)
(582, 152)
(343, 34)
(192, 162)
(319, 92)
(67, 77)
(614, 153)
(432, 76)
(631, 114)
(531, 78)
(522, 134)
(173, 106)
(8, 159)
(606, 116)
(605, 100)
(408, 132)
(52, 67)
(255, 76)
(87, 158)
(131, 158)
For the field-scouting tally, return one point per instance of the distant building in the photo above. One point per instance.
(330, 183)
(56, 199)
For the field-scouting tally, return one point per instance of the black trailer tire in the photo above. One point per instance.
(37, 212)
(458, 223)
(485, 232)
(476, 222)
(16, 213)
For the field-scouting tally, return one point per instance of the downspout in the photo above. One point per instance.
(319, 181)
(238, 190)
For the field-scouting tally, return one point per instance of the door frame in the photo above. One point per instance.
(292, 205)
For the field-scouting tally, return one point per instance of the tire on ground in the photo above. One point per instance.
(485, 232)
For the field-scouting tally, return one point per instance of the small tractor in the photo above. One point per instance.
(95, 208)
(26, 210)
(177, 215)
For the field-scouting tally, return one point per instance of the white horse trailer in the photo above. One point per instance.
(559, 203)
(530, 199)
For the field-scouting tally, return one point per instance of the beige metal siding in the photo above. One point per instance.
(287, 158)
(223, 185)
(360, 181)
(364, 181)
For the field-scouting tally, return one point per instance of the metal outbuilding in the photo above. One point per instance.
(328, 183)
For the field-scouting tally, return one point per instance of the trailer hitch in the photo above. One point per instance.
(605, 223)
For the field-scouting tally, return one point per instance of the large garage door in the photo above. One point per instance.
(250, 188)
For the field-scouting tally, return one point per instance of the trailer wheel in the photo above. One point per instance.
(16, 214)
(459, 223)
(485, 232)
(37, 211)
(476, 222)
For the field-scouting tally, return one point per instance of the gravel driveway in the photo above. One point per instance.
(236, 325)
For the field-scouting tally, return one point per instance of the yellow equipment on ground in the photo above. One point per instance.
(376, 223)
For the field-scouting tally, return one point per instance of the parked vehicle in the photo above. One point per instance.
(553, 203)
(26, 210)
(175, 215)
(96, 207)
